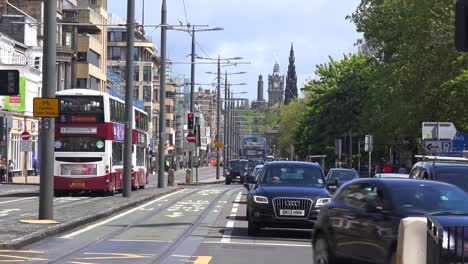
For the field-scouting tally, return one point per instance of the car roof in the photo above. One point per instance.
(341, 169)
(390, 175)
(441, 164)
(394, 182)
(259, 166)
(283, 163)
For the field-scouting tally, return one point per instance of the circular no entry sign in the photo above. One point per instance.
(191, 137)
(25, 135)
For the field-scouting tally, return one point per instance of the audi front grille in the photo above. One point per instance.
(285, 203)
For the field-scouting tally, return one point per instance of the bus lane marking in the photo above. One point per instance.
(86, 229)
(17, 200)
(230, 223)
(115, 256)
(11, 256)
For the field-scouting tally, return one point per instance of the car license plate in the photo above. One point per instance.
(292, 212)
(78, 184)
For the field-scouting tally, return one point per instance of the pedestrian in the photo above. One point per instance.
(387, 168)
(11, 167)
(35, 167)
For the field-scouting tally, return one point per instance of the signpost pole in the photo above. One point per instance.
(49, 87)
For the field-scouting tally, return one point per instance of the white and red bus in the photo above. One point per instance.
(89, 143)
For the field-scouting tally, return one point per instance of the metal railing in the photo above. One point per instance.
(446, 235)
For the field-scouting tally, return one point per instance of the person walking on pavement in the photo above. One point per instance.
(11, 167)
(35, 167)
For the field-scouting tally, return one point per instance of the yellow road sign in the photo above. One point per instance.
(218, 144)
(45, 107)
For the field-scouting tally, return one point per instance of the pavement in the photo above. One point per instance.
(21, 202)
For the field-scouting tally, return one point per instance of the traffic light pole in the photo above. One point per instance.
(192, 91)
(218, 117)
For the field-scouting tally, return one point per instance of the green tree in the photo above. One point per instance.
(290, 117)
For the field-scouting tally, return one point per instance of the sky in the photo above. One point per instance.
(260, 31)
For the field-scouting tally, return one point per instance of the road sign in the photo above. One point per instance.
(432, 146)
(218, 144)
(369, 143)
(25, 135)
(26, 145)
(45, 107)
(191, 137)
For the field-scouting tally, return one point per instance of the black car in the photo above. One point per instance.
(286, 195)
(361, 222)
(452, 172)
(338, 176)
(237, 171)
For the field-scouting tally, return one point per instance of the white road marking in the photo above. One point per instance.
(119, 215)
(259, 244)
(140, 240)
(175, 214)
(230, 224)
(17, 200)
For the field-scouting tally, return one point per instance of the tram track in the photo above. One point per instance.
(138, 221)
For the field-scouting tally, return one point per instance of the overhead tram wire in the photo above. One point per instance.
(185, 11)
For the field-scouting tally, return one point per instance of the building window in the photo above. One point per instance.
(92, 2)
(94, 58)
(136, 73)
(136, 54)
(147, 72)
(168, 123)
(136, 92)
(148, 111)
(82, 83)
(115, 53)
(147, 93)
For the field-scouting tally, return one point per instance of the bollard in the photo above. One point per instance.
(188, 176)
(170, 177)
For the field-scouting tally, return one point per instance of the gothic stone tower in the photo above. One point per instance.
(291, 79)
(275, 87)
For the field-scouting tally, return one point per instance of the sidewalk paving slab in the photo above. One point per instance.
(15, 235)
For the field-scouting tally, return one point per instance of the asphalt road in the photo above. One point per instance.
(204, 224)
(22, 200)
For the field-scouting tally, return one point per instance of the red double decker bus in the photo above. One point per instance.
(89, 140)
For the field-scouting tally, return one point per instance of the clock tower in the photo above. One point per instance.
(275, 87)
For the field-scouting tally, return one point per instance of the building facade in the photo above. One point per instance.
(145, 69)
(275, 87)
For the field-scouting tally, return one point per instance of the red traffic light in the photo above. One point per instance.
(190, 116)
(190, 121)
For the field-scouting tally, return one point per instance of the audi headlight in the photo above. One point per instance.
(320, 202)
(260, 199)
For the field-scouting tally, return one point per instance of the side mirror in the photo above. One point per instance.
(250, 180)
(332, 183)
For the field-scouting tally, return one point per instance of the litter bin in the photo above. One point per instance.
(170, 177)
(188, 176)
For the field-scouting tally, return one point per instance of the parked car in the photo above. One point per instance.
(362, 220)
(338, 176)
(392, 175)
(286, 194)
(445, 170)
(237, 171)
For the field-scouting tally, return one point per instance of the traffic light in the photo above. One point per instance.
(9, 82)
(461, 25)
(190, 121)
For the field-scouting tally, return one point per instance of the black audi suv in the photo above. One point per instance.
(286, 194)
